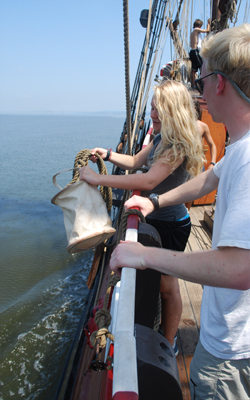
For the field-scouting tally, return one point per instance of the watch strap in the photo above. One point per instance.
(154, 198)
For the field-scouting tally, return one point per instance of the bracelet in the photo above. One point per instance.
(109, 153)
(213, 163)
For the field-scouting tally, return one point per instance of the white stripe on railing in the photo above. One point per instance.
(122, 325)
(125, 365)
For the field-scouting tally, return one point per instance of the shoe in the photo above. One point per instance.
(175, 347)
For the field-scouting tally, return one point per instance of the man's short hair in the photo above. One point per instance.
(198, 23)
(229, 52)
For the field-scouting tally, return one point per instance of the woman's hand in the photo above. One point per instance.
(100, 151)
(88, 175)
(144, 204)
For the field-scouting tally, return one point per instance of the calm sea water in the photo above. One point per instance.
(42, 287)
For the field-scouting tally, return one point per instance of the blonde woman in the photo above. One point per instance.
(171, 158)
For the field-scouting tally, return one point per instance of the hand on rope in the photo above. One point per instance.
(81, 160)
(104, 153)
(88, 175)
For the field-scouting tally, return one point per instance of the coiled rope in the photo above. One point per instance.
(82, 159)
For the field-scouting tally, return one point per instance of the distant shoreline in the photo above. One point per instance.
(71, 114)
(96, 113)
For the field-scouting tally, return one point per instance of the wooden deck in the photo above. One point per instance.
(191, 293)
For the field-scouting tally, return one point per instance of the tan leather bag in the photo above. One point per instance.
(86, 219)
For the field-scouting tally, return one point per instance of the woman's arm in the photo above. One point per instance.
(123, 160)
(146, 181)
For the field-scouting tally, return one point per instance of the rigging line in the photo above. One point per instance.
(161, 38)
(211, 10)
(181, 11)
(246, 14)
(162, 50)
(157, 53)
(207, 9)
(170, 17)
(188, 27)
(163, 46)
(192, 10)
(200, 8)
(139, 71)
(142, 84)
(247, 11)
(180, 51)
(183, 32)
(180, 30)
(135, 91)
(236, 16)
(156, 32)
(127, 78)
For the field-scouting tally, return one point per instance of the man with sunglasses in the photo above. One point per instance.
(220, 368)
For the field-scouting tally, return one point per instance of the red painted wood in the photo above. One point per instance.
(109, 386)
(218, 133)
(126, 396)
(133, 219)
(149, 134)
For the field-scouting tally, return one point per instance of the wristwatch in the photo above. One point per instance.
(155, 200)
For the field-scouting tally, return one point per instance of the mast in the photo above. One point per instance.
(222, 10)
(173, 25)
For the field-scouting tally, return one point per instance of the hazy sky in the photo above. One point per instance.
(68, 55)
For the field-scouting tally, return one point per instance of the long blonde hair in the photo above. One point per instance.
(179, 129)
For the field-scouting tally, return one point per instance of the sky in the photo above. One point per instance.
(67, 56)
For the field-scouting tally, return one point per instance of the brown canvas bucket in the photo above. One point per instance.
(86, 219)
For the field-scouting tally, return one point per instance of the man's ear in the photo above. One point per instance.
(220, 84)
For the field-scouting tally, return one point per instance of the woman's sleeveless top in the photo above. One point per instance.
(175, 179)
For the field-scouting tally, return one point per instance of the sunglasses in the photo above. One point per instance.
(199, 84)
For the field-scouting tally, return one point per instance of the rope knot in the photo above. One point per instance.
(102, 320)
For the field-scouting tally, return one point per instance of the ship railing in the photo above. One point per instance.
(125, 378)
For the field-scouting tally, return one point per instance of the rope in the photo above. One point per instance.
(121, 211)
(143, 75)
(82, 159)
(227, 13)
(123, 227)
(158, 315)
(127, 78)
(103, 317)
